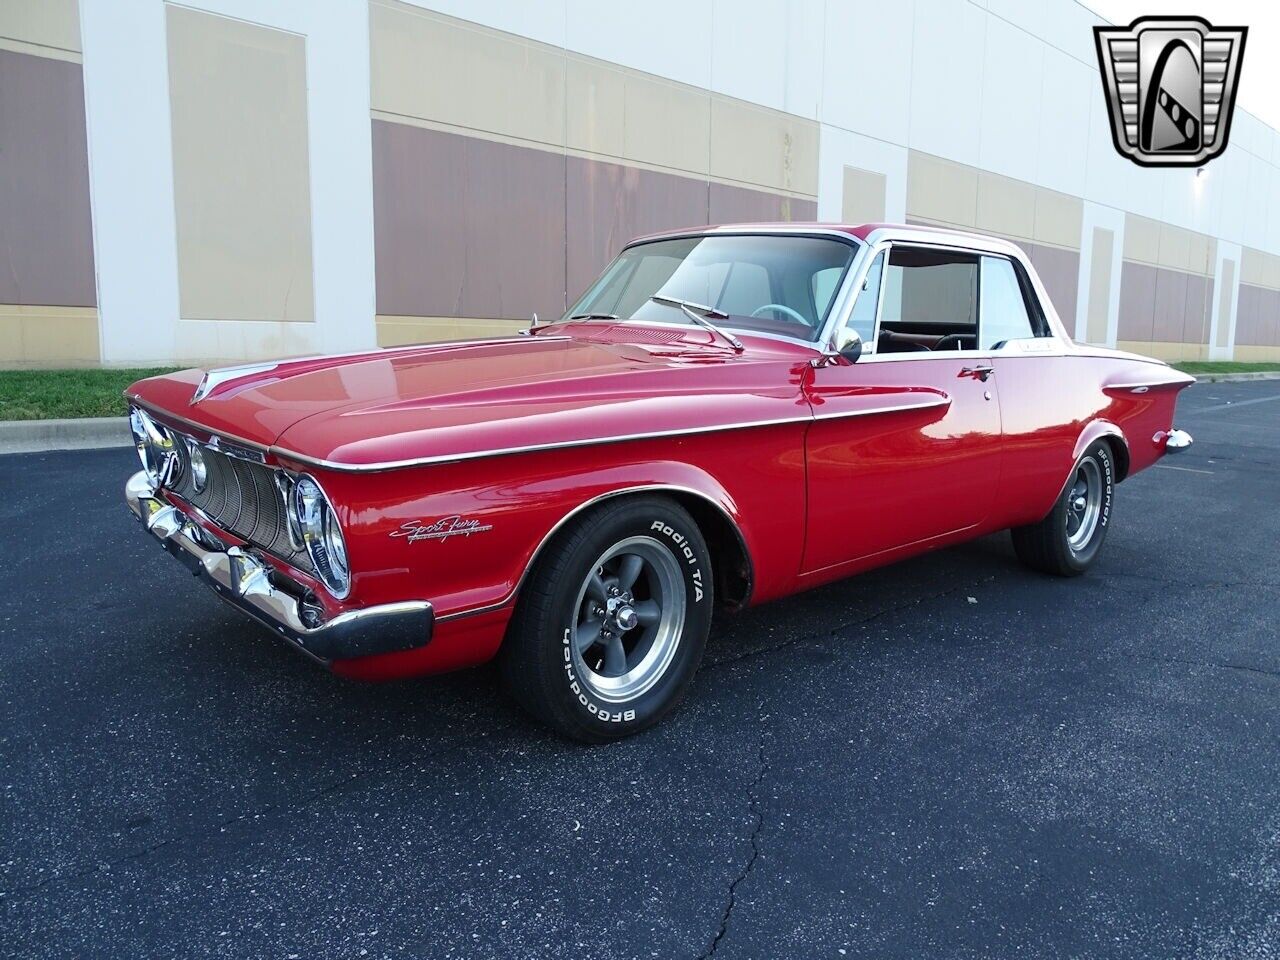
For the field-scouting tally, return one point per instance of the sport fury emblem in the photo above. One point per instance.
(1170, 84)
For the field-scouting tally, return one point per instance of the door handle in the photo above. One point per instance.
(979, 372)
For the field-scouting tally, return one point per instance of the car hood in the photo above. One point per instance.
(458, 400)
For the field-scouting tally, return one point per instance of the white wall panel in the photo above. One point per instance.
(670, 38)
(867, 68)
(131, 177)
(946, 78)
(838, 148)
(1011, 112)
(541, 20)
(1062, 151)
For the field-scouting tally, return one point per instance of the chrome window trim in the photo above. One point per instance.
(887, 238)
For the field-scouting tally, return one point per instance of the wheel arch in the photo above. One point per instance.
(1115, 439)
(730, 557)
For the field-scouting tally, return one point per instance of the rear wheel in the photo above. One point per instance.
(1068, 540)
(612, 623)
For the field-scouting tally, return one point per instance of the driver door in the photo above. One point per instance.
(905, 444)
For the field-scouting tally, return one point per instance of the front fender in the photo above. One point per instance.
(463, 535)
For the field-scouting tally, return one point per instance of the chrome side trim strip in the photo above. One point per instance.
(559, 525)
(1142, 386)
(900, 408)
(286, 454)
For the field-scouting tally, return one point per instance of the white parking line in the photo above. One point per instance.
(1238, 403)
(1165, 466)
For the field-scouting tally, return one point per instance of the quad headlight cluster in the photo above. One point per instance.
(317, 527)
(163, 455)
(168, 457)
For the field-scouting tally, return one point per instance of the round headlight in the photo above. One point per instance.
(199, 469)
(322, 536)
(157, 448)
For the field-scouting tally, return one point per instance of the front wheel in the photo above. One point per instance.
(612, 623)
(1068, 540)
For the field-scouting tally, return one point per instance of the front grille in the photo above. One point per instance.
(243, 498)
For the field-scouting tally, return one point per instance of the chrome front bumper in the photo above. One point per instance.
(1175, 441)
(244, 580)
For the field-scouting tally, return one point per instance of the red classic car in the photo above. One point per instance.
(729, 415)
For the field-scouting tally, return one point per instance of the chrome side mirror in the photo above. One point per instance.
(849, 346)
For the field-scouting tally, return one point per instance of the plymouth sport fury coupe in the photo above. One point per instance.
(727, 416)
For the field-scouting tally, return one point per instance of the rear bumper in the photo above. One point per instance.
(249, 583)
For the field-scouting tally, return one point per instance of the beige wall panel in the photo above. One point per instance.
(863, 199)
(1099, 285)
(241, 186)
(48, 336)
(667, 124)
(1141, 239)
(440, 69)
(1176, 248)
(44, 23)
(597, 107)
(1059, 218)
(627, 115)
(1005, 206)
(941, 190)
(1247, 354)
(1260, 269)
(398, 331)
(763, 147)
(1225, 293)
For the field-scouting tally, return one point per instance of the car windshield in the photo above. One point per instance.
(760, 284)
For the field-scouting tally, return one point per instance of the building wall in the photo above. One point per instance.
(47, 292)
(222, 180)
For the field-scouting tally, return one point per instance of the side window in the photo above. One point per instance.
(1004, 309)
(863, 318)
(930, 301)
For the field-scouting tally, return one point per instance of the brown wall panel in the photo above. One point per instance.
(1195, 327)
(1059, 271)
(742, 205)
(46, 234)
(466, 227)
(1137, 301)
(609, 204)
(1171, 306)
(1258, 316)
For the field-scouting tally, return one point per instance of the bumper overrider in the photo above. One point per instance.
(248, 583)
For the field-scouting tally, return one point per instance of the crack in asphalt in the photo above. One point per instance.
(755, 805)
(13, 894)
(1273, 674)
(1193, 584)
(840, 628)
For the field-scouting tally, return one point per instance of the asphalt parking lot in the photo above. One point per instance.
(952, 757)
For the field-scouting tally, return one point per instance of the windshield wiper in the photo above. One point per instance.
(595, 316)
(698, 313)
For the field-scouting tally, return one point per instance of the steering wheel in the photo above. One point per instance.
(782, 308)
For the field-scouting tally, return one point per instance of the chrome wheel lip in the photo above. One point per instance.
(654, 650)
(1084, 504)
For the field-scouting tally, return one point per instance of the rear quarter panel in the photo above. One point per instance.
(1052, 408)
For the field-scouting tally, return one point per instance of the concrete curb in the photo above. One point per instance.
(1237, 377)
(35, 436)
